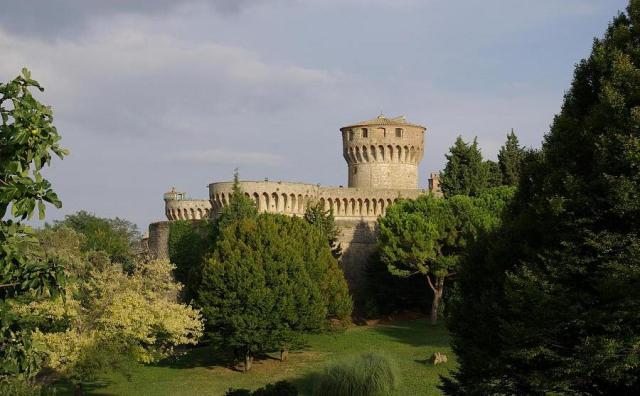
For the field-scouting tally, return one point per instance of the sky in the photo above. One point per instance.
(153, 94)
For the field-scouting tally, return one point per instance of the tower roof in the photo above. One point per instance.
(382, 120)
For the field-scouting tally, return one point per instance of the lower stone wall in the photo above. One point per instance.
(158, 241)
(358, 243)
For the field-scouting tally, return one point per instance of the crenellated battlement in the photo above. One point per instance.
(178, 207)
(294, 198)
(383, 153)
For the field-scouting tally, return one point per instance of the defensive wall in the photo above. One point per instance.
(293, 198)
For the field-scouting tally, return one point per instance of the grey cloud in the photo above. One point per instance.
(227, 157)
(69, 18)
(158, 84)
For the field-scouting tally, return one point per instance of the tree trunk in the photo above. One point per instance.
(437, 297)
(77, 389)
(248, 361)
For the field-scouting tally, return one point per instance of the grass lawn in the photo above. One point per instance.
(201, 372)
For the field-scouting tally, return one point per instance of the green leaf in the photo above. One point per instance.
(41, 210)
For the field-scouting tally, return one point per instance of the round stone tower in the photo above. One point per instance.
(383, 153)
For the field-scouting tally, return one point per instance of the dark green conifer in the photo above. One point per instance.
(509, 158)
(494, 176)
(550, 303)
(465, 173)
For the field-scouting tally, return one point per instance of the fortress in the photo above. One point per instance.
(382, 155)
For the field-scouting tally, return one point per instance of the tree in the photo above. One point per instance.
(256, 294)
(240, 206)
(323, 219)
(28, 140)
(270, 279)
(465, 173)
(109, 319)
(494, 175)
(509, 158)
(117, 237)
(548, 303)
(426, 236)
(189, 244)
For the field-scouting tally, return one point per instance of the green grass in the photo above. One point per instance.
(203, 372)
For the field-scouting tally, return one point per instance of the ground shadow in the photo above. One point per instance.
(64, 388)
(416, 333)
(306, 382)
(200, 356)
(210, 357)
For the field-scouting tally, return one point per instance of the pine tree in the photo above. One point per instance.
(509, 159)
(549, 304)
(465, 173)
(240, 206)
(325, 222)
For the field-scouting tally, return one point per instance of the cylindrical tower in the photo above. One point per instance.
(383, 153)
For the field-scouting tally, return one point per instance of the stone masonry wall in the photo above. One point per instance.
(158, 241)
(293, 198)
(383, 155)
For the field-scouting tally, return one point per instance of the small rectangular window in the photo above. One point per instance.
(365, 133)
(399, 132)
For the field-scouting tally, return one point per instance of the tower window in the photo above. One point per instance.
(383, 131)
(350, 134)
(399, 132)
(365, 133)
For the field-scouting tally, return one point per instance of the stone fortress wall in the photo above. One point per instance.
(382, 155)
(188, 209)
(293, 198)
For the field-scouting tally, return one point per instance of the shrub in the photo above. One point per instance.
(369, 374)
(238, 392)
(280, 388)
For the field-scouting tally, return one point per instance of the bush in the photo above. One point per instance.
(369, 374)
(238, 392)
(387, 294)
(18, 386)
(280, 388)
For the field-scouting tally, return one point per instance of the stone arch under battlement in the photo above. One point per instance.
(405, 154)
(188, 209)
(293, 198)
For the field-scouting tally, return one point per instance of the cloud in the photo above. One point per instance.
(227, 157)
(69, 18)
(133, 81)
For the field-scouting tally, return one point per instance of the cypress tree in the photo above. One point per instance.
(494, 175)
(509, 158)
(465, 173)
(550, 303)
